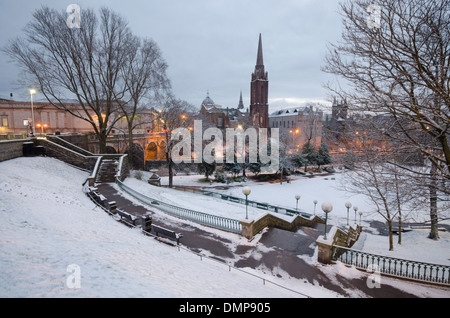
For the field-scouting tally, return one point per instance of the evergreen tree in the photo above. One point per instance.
(309, 153)
(323, 155)
(206, 168)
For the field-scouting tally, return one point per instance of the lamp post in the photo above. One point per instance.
(360, 214)
(315, 203)
(246, 191)
(297, 197)
(326, 207)
(42, 127)
(32, 92)
(355, 208)
(348, 205)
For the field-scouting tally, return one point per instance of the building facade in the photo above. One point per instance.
(298, 125)
(15, 117)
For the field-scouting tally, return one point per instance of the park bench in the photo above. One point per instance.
(167, 233)
(127, 218)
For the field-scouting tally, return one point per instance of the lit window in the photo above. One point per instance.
(4, 121)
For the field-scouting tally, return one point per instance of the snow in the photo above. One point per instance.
(48, 224)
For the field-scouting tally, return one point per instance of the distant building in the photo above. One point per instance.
(337, 126)
(14, 117)
(220, 116)
(259, 93)
(298, 125)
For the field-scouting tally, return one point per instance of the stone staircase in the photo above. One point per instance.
(107, 171)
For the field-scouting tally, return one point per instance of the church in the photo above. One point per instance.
(258, 115)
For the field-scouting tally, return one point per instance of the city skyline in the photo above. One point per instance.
(211, 46)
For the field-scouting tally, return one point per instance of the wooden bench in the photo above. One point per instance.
(167, 233)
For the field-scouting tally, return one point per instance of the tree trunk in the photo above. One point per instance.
(131, 147)
(170, 167)
(102, 142)
(434, 233)
(391, 240)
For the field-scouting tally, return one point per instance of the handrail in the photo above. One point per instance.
(215, 221)
(417, 270)
(256, 204)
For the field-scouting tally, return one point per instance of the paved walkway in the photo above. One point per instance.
(276, 249)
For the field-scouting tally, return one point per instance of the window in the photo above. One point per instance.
(4, 122)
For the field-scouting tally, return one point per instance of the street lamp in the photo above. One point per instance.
(360, 214)
(32, 92)
(42, 127)
(348, 205)
(326, 207)
(246, 191)
(355, 208)
(297, 197)
(315, 203)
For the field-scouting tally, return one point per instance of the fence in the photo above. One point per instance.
(215, 221)
(259, 205)
(393, 266)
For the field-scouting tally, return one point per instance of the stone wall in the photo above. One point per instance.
(336, 237)
(251, 228)
(10, 149)
(67, 155)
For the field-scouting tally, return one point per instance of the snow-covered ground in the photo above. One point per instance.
(328, 188)
(48, 224)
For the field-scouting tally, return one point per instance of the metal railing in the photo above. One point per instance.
(215, 221)
(259, 205)
(416, 270)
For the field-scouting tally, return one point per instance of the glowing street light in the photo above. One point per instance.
(246, 191)
(42, 127)
(348, 205)
(32, 92)
(327, 208)
(355, 208)
(297, 197)
(315, 203)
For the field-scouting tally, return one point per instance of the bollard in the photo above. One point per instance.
(146, 223)
(112, 207)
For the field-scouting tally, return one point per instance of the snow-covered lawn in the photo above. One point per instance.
(415, 245)
(48, 224)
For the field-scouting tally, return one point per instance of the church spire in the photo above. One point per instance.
(241, 103)
(259, 59)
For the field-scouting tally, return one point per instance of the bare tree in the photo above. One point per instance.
(175, 114)
(82, 63)
(400, 66)
(143, 79)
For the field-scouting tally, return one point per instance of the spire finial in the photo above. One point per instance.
(259, 59)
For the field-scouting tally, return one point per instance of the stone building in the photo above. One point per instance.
(298, 125)
(15, 117)
(259, 92)
(220, 116)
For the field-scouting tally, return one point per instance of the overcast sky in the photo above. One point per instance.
(212, 45)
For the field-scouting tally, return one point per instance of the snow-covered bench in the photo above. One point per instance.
(168, 233)
(127, 218)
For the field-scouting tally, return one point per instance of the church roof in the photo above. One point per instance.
(208, 102)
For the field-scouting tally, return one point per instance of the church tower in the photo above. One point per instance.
(259, 92)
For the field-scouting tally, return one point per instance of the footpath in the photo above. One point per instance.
(276, 249)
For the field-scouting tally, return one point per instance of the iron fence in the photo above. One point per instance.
(215, 221)
(427, 272)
